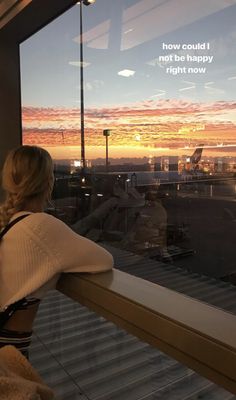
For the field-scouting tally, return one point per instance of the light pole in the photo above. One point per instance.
(107, 133)
(86, 3)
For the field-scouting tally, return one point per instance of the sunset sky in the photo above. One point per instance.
(127, 88)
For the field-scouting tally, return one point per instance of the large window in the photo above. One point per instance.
(158, 178)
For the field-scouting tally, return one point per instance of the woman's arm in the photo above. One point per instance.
(74, 253)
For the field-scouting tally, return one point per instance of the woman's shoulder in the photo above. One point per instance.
(45, 218)
(41, 222)
(45, 231)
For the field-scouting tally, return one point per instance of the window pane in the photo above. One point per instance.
(155, 182)
(158, 187)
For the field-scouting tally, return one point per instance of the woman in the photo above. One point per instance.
(36, 249)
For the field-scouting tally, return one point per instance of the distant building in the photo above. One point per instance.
(167, 163)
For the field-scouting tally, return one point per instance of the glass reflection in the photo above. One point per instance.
(160, 76)
(159, 191)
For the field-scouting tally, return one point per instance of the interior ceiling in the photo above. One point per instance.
(9, 9)
(21, 18)
(6, 6)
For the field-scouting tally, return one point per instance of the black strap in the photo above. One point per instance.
(6, 315)
(9, 311)
(12, 223)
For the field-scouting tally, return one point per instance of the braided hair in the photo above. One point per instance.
(27, 175)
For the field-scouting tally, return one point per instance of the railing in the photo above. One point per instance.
(194, 333)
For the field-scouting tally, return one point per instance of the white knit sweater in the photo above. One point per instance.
(37, 249)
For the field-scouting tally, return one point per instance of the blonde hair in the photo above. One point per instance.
(27, 175)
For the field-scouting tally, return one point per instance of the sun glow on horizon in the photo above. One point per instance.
(157, 127)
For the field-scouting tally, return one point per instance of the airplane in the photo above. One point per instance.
(193, 161)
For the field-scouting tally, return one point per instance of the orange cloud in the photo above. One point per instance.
(159, 124)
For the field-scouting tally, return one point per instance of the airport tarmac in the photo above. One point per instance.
(211, 229)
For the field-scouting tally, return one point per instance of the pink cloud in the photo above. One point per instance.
(159, 122)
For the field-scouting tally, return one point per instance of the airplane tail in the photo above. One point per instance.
(196, 157)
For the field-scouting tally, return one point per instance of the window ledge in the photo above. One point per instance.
(196, 334)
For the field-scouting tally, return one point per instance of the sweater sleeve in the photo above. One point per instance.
(73, 252)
